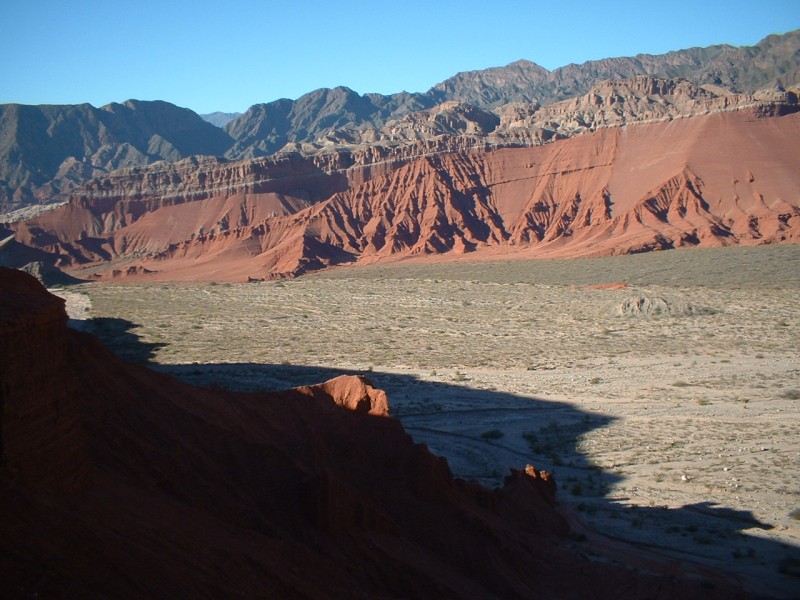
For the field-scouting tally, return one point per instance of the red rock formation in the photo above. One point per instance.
(41, 439)
(120, 482)
(353, 393)
(721, 178)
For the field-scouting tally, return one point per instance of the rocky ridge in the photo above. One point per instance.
(47, 151)
(610, 103)
(730, 177)
(744, 69)
(118, 481)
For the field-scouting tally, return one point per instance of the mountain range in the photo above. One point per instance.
(332, 178)
(48, 151)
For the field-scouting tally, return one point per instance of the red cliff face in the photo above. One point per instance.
(42, 439)
(120, 482)
(723, 178)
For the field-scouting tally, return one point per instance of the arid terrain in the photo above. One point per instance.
(530, 333)
(662, 389)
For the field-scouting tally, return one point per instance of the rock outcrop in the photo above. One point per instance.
(656, 306)
(354, 393)
(117, 481)
(42, 439)
(616, 103)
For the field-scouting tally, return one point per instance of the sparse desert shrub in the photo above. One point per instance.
(530, 437)
(595, 380)
(680, 383)
(535, 445)
(492, 434)
(795, 514)
(790, 566)
(790, 394)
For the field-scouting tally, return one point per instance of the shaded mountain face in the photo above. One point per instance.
(116, 481)
(47, 151)
(266, 128)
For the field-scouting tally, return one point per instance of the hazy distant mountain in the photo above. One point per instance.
(45, 151)
(220, 119)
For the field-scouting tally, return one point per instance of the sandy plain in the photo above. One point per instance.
(662, 389)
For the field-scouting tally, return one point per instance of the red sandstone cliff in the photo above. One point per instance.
(728, 175)
(120, 482)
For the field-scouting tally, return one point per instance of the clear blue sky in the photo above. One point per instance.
(227, 56)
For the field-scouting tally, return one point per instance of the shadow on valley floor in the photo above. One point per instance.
(117, 334)
(484, 432)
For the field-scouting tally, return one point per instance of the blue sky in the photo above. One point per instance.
(229, 55)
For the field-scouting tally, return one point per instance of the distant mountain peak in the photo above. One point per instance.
(526, 64)
(220, 119)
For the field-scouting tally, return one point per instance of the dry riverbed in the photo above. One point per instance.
(663, 389)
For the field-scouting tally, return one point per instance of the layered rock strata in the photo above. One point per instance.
(722, 178)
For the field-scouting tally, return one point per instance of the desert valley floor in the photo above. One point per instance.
(662, 389)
